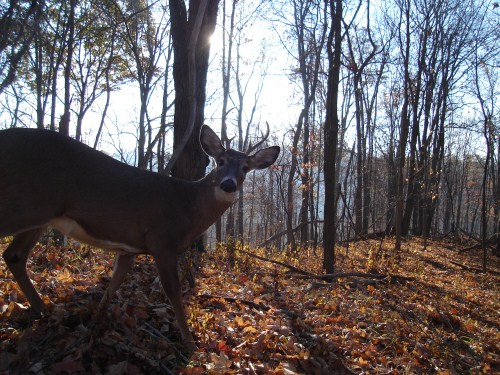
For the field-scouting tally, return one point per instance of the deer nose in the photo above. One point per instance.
(229, 186)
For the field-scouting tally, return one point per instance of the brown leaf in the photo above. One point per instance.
(124, 368)
(67, 366)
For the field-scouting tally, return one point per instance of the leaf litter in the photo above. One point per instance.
(427, 309)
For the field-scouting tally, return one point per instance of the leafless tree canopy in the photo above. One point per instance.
(391, 121)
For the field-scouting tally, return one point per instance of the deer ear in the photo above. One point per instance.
(264, 158)
(210, 142)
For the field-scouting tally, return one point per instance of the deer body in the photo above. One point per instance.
(47, 179)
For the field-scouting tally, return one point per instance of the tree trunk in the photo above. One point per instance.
(484, 208)
(192, 160)
(108, 89)
(413, 170)
(331, 135)
(496, 252)
(290, 207)
(403, 137)
(360, 162)
(240, 217)
(227, 47)
(309, 47)
(70, 44)
(306, 186)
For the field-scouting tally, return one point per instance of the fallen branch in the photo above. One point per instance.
(375, 277)
(283, 232)
(473, 269)
(479, 241)
(473, 247)
(343, 275)
(307, 275)
(295, 269)
(355, 283)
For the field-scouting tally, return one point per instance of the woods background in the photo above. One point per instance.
(392, 115)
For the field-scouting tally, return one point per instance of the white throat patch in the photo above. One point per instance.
(222, 196)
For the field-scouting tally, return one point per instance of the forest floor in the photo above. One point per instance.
(426, 310)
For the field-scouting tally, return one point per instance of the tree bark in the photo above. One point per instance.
(227, 51)
(331, 135)
(192, 161)
(70, 44)
(404, 129)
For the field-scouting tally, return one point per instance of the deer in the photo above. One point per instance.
(51, 180)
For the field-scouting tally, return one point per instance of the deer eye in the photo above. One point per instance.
(221, 162)
(245, 169)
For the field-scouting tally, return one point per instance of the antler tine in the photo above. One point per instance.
(258, 144)
(225, 140)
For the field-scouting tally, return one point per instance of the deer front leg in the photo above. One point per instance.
(16, 256)
(123, 262)
(167, 267)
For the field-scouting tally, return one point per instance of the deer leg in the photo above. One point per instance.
(16, 256)
(167, 267)
(122, 264)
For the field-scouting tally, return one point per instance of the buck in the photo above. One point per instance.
(50, 180)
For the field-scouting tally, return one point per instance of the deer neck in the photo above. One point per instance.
(211, 201)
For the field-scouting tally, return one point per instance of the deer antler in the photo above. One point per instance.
(226, 142)
(258, 144)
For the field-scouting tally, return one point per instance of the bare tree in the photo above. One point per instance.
(334, 46)
(243, 76)
(144, 37)
(486, 90)
(46, 58)
(487, 94)
(359, 58)
(227, 61)
(99, 65)
(70, 47)
(404, 44)
(309, 29)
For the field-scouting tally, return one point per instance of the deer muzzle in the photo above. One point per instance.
(228, 185)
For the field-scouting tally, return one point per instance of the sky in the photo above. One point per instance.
(274, 103)
(263, 52)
